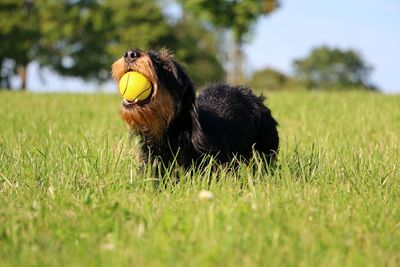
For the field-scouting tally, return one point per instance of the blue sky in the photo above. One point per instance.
(371, 27)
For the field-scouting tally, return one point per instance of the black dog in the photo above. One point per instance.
(226, 122)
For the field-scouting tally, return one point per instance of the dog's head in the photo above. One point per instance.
(172, 91)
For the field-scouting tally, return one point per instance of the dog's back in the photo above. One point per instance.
(236, 122)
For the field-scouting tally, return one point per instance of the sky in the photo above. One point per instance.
(372, 27)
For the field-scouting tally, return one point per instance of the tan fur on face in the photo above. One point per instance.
(153, 118)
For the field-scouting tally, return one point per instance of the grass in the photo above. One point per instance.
(72, 192)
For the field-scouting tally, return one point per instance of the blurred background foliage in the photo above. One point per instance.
(270, 78)
(81, 38)
(332, 68)
(237, 18)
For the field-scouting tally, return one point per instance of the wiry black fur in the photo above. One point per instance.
(224, 121)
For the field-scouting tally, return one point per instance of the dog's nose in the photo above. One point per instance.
(130, 55)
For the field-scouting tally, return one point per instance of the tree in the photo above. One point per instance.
(197, 48)
(236, 16)
(73, 44)
(92, 34)
(83, 37)
(333, 68)
(142, 24)
(268, 79)
(19, 34)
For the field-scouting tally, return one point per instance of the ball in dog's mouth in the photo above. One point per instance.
(135, 88)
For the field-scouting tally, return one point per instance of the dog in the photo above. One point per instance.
(225, 122)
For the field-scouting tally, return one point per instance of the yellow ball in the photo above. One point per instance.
(134, 86)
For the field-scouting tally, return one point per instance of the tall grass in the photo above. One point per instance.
(73, 192)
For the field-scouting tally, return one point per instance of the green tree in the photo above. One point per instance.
(238, 17)
(83, 37)
(197, 48)
(138, 23)
(73, 43)
(333, 68)
(92, 34)
(19, 35)
(268, 79)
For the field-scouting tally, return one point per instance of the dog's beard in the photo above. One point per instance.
(153, 118)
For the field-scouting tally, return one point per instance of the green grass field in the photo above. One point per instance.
(72, 192)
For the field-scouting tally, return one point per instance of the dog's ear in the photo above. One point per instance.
(165, 54)
(189, 94)
(165, 59)
(168, 60)
(171, 64)
(168, 63)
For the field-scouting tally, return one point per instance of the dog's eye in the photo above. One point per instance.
(154, 56)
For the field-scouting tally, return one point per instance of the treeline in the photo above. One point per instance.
(324, 68)
(83, 37)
